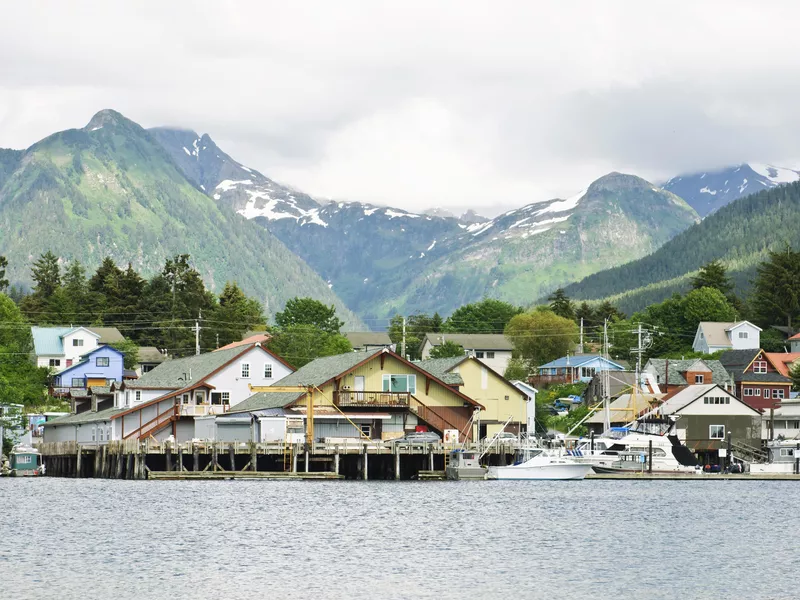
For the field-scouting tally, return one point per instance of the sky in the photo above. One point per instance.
(487, 105)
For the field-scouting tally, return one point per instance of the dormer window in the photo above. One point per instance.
(742, 335)
(699, 379)
(77, 342)
(760, 366)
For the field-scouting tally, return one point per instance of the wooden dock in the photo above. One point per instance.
(152, 459)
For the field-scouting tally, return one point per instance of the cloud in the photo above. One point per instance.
(416, 103)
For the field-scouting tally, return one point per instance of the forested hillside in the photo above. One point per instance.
(739, 234)
(111, 190)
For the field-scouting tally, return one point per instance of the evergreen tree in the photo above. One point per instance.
(585, 312)
(713, 275)
(300, 344)
(606, 310)
(233, 316)
(21, 381)
(561, 305)
(776, 290)
(43, 306)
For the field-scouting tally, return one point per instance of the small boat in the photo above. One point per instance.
(25, 462)
(537, 463)
(465, 464)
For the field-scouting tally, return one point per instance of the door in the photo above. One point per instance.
(358, 384)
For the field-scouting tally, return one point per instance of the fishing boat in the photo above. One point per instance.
(538, 463)
(25, 461)
(634, 447)
(464, 464)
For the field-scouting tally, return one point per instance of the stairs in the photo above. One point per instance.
(440, 419)
(749, 453)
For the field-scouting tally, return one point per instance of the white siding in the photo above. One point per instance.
(751, 342)
(230, 378)
(734, 408)
(74, 352)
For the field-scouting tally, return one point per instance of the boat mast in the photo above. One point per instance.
(606, 380)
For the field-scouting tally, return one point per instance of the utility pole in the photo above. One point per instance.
(581, 335)
(197, 333)
(403, 345)
(217, 340)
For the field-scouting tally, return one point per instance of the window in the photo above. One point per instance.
(587, 372)
(778, 393)
(101, 361)
(479, 354)
(77, 382)
(766, 393)
(127, 398)
(76, 342)
(757, 392)
(147, 368)
(400, 383)
(138, 394)
(100, 431)
(716, 432)
(742, 335)
(185, 399)
(267, 371)
(699, 378)
(747, 391)
(490, 355)
(55, 362)
(366, 430)
(787, 451)
(245, 370)
(760, 366)
(792, 424)
(220, 398)
(94, 434)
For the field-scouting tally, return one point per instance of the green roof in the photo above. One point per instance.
(175, 373)
(317, 372)
(441, 367)
(85, 417)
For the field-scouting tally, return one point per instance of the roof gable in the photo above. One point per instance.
(471, 341)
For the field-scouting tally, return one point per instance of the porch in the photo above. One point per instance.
(349, 398)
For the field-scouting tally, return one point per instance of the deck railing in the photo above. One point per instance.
(371, 399)
(201, 410)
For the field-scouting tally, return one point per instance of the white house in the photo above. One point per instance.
(492, 349)
(61, 347)
(179, 397)
(713, 336)
(530, 402)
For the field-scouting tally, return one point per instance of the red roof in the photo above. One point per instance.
(796, 336)
(260, 338)
(782, 360)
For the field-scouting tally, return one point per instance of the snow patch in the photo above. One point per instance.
(743, 186)
(705, 190)
(96, 128)
(393, 213)
(245, 168)
(422, 255)
(563, 205)
(202, 187)
(777, 175)
(369, 211)
(217, 196)
(185, 149)
(227, 185)
(479, 228)
(429, 248)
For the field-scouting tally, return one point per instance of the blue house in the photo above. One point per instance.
(575, 368)
(100, 367)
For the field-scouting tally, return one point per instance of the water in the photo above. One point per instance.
(62, 538)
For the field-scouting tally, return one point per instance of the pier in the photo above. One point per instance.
(151, 459)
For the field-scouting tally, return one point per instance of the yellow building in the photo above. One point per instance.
(500, 399)
(381, 393)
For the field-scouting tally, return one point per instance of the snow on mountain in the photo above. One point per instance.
(709, 191)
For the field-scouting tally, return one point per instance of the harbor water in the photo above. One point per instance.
(90, 538)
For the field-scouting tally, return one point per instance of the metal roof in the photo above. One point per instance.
(48, 341)
(471, 341)
(85, 417)
(361, 339)
(577, 360)
(265, 400)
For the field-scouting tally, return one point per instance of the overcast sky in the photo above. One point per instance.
(420, 104)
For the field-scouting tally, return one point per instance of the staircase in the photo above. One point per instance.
(438, 420)
(155, 425)
(749, 453)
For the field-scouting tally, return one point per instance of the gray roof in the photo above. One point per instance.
(441, 367)
(738, 358)
(108, 335)
(472, 341)
(174, 374)
(361, 339)
(101, 390)
(736, 361)
(85, 417)
(751, 377)
(676, 367)
(150, 354)
(265, 400)
(317, 372)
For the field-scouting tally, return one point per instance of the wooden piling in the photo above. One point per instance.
(253, 457)
(366, 465)
(135, 474)
(336, 461)
(232, 456)
(195, 458)
(396, 463)
(306, 461)
(78, 462)
(180, 458)
(120, 460)
(168, 455)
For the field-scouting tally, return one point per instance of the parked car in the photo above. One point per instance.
(418, 437)
(506, 437)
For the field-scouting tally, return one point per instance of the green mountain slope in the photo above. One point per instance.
(739, 234)
(526, 253)
(110, 189)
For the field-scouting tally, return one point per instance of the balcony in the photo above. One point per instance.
(351, 398)
(202, 410)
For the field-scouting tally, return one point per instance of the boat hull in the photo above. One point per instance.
(459, 473)
(540, 472)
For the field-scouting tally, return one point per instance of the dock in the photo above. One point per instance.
(350, 459)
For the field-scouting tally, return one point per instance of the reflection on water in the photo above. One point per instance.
(63, 538)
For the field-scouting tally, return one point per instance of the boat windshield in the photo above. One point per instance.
(526, 454)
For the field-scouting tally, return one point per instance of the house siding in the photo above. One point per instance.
(492, 395)
(90, 370)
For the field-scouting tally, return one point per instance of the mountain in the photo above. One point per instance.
(525, 253)
(382, 261)
(739, 234)
(110, 189)
(711, 190)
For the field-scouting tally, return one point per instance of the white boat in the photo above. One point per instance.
(537, 463)
(627, 449)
